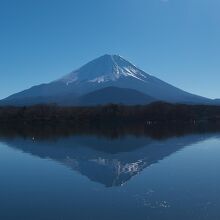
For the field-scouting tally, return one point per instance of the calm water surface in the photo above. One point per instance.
(129, 177)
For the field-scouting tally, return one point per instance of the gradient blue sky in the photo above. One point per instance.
(175, 40)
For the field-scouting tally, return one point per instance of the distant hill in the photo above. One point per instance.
(115, 95)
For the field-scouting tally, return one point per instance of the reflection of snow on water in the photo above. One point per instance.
(147, 200)
(156, 204)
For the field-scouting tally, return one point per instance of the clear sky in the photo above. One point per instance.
(175, 40)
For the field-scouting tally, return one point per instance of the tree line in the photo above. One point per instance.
(158, 112)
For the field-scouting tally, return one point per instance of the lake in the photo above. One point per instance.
(93, 176)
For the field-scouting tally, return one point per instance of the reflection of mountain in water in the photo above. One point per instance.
(111, 162)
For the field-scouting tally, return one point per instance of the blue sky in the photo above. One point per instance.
(175, 40)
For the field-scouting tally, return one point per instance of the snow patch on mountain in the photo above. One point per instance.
(100, 79)
(104, 69)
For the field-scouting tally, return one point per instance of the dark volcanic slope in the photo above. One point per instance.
(115, 95)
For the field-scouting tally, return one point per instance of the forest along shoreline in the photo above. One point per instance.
(157, 120)
(158, 112)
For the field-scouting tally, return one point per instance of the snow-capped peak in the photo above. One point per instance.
(103, 69)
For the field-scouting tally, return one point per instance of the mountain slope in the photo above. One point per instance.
(216, 101)
(106, 71)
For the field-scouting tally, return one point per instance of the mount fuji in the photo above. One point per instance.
(107, 79)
